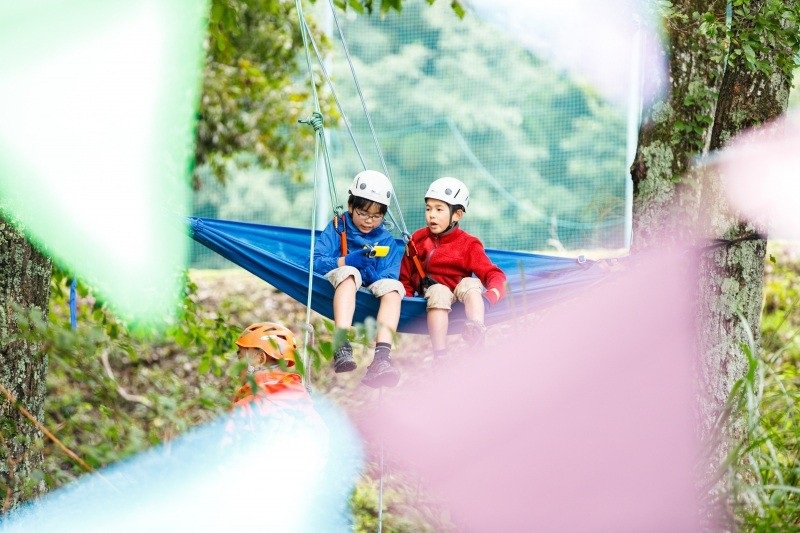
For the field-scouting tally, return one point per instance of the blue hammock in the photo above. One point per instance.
(280, 256)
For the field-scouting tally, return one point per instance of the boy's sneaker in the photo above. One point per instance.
(343, 359)
(474, 333)
(381, 373)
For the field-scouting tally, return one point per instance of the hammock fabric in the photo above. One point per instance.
(280, 256)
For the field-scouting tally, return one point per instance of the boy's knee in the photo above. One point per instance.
(344, 275)
(391, 288)
(439, 296)
(468, 288)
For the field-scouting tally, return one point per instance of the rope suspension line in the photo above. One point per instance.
(403, 228)
(317, 122)
(318, 133)
(308, 328)
(308, 41)
(358, 87)
(335, 95)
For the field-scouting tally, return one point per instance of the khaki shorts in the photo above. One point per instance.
(378, 289)
(438, 296)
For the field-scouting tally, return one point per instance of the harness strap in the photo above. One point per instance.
(342, 233)
(411, 250)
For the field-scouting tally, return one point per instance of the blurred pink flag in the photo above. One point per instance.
(580, 422)
(759, 171)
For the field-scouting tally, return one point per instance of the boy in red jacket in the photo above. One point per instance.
(450, 265)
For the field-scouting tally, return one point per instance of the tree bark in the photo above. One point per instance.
(709, 81)
(24, 285)
(677, 127)
(732, 274)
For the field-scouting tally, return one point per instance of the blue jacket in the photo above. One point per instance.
(327, 251)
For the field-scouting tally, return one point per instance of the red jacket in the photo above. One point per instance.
(278, 391)
(281, 401)
(447, 259)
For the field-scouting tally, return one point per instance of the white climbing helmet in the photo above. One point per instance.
(372, 185)
(450, 191)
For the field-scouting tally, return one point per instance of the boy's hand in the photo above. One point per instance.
(492, 296)
(369, 275)
(358, 259)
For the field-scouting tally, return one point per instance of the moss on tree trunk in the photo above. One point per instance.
(24, 284)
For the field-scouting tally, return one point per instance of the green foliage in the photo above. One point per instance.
(256, 88)
(763, 461)
(407, 507)
(461, 98)
(385, 6)
(114, 391)
(765, 29)
(250, 90)
(165, 393)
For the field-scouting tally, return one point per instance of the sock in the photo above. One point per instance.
(382, 350)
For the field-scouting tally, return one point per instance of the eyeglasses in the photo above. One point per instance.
(367, 216)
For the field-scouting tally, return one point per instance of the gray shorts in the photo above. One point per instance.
(438, 296)
(378, 289)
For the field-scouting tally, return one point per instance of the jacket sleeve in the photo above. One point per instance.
(409, 276)
(327, 250)
(491, 276)
(406, 274)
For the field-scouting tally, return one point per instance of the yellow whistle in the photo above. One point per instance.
(378, 251)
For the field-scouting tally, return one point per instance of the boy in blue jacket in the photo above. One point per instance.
(350, 263)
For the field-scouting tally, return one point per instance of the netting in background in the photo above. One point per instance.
(543, 156)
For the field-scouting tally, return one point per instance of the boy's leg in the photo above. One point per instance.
(380, 372)
(346, 280)
(469, 291)
(438, 322)
(344, 303)
(439, 302)
(388, 316)
(473, 301)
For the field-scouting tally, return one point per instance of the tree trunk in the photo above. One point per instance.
(24, 284)
(668, 188)
(732, 274)
(677, 127)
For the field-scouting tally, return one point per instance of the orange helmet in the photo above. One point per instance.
(277, 341)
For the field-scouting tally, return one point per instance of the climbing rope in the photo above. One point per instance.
(403, 228)
(316, 120)
(332, 88)
(308, 41)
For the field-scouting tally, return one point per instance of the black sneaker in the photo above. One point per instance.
(474, 333)
(343, 359)
(381, 373)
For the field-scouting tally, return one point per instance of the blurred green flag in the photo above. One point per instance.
(97, 114)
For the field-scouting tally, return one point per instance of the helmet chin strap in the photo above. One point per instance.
(453, 224)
